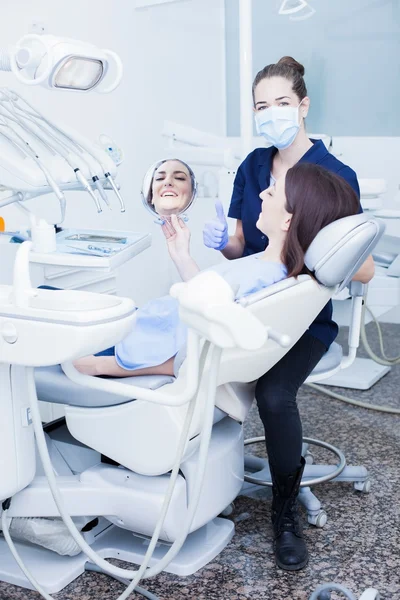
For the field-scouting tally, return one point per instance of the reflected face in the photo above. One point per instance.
(171, 188)
(274, 219)
(277, 91)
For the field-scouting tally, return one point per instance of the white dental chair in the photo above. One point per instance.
(112, 455)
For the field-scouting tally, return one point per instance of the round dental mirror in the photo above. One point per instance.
(169, 187)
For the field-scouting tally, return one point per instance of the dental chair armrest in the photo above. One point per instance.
(207, 305)
(132, 392)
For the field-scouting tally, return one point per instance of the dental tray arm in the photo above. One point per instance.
(207, 306)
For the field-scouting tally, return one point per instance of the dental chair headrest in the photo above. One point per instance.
(340, 248)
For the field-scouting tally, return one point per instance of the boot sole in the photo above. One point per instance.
(292, 567)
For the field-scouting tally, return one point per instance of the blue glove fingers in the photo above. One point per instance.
(220, 211)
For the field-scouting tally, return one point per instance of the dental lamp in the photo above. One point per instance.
(62, 63)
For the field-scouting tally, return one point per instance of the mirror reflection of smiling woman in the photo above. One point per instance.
(281, 105)
(171, 188)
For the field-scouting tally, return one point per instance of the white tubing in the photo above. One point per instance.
(386, 360)
(193, 504)
(48, 468)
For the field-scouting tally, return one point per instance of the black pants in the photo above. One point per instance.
(276, 394)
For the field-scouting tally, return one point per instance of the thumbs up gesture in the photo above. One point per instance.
(215, 232)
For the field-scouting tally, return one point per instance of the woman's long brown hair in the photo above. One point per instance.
(315, 197)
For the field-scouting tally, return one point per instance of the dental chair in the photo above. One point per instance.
(113, 453)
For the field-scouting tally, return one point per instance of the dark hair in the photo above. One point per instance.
(288, 68)
(315, 197)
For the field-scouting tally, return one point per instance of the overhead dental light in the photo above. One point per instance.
(62, 63)
(295, 7)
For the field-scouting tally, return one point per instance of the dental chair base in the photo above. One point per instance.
(362, 375)
(129, 503)
(54, 572)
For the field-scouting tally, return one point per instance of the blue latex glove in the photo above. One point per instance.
(215, 232)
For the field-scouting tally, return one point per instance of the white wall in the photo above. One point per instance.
(374, 158)
(174, 66)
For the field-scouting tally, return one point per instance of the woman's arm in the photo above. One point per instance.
(366, 272)
(107, 365)
(235, 246)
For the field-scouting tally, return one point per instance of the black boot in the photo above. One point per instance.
(289, 546)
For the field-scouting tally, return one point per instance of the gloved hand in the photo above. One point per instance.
(215, 232)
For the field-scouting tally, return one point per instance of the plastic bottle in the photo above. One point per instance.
(43, 236)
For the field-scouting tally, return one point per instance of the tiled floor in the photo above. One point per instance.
(360, 545)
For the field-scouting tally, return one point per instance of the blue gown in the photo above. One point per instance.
(158, 334)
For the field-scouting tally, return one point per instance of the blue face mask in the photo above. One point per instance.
(279, 125)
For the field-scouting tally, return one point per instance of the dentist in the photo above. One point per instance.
(281, 105)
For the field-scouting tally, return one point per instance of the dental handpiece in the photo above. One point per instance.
(27, 148)
(63, 150)
(114, 187)
(34, 113)
(101, 190)
(87, 187)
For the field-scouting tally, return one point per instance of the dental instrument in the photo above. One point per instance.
(51, 161)
(76, 143)
(54, 146)
(65, 152)
(94, 250)
(24, 145)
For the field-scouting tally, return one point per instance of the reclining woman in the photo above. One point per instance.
(294, 210)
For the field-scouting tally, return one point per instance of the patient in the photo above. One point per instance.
(293, 211)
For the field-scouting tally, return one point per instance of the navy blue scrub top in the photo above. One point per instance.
(253, 176)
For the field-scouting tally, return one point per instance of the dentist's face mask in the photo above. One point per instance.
(279, 125)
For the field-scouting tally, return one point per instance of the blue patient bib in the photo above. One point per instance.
(158, 334)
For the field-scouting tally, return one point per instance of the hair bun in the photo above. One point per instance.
(289, 61)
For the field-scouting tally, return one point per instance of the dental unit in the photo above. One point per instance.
(145, 426)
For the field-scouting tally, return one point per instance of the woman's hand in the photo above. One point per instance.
(177, 235)
(178, 241)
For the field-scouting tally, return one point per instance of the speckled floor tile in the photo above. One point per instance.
(360, 545)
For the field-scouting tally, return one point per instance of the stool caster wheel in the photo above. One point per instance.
(325, 596)
(228, 510)
(309, 458)
(363, 486)
(370, 594)
(318, 520)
